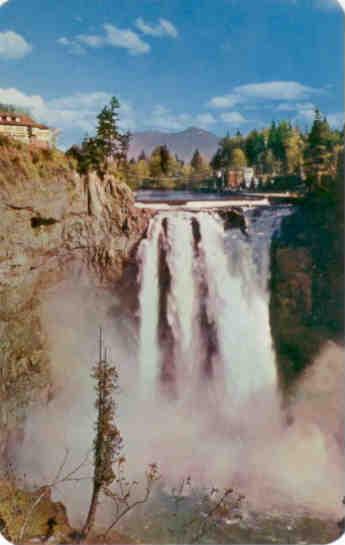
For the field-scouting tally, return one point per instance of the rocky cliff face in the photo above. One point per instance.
(49, 227)
(307, 279)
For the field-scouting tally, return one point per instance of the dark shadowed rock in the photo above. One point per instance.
(307, 278)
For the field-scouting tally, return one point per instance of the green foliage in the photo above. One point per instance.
(254, 147)
(108, 147)
(320, 153)
(160, 162)
(283, 152)
(238, 158)
(197, 162)
(107, 444)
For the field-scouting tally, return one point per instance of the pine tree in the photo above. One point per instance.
(160, 162)
(254, 147)
(165, 159)
(109, 145)
(197, 162)
(320, 159)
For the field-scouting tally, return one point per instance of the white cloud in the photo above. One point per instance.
(17, 98)
(204, 120)
(163, 118)
(233, 118)
(73, 46)
(13, 46)
(3, 2)
(269, 91)
(305, 113)
(91, 40)
(336, 120)
(225, 101)
(70, 113)
(127, 39)
(112, 36)
(294, 107)
(275, 90)
(162, 28)
(306, 116)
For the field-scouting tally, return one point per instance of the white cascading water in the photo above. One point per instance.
(239, 310)
(149, 352)
(236, 303)
(182, 299)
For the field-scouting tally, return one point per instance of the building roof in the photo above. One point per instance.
(19, 120)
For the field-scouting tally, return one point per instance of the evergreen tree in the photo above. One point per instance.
(320, 159)
(108, 146)
(254, 147)
(155, 164)
(160, 162)
(112, 143)
(216, 161)
(268, 162)
(165, 159)
(108, 442)
(197, 162)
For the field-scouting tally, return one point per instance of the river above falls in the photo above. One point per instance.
(196, 200)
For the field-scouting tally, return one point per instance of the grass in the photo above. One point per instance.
(21, 162)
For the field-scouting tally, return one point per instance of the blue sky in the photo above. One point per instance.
(222, 65)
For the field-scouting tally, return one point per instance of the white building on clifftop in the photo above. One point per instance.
(24, 128)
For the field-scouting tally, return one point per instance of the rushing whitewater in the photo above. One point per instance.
(216, 313)
(182, 298)
(205, 402)
(149, 300)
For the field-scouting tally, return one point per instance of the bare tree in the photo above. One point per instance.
(199, 512)
(124, 490)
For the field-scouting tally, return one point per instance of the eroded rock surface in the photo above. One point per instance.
(49, 227)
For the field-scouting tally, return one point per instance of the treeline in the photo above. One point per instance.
(162, 169)
(281, 156)
(284, 151)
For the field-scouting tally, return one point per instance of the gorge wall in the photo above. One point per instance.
(53, 223)
(307, 279)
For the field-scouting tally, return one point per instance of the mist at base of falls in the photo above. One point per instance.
(199, 393)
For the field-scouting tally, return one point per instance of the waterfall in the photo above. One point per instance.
(182, 299)
(216, 294)
(239, 310)
(149, 352)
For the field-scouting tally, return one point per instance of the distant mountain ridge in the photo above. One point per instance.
(182, 143)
